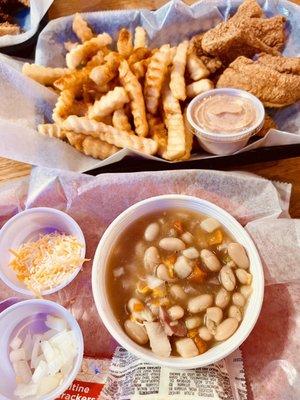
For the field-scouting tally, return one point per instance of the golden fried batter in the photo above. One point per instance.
(285, 65)
(269, 123)
(273, 88)
(246, 33)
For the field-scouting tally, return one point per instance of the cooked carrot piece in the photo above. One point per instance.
(178, 226)
(202, 346)
(198, 275)
(215, 238)
(138, 307)
(192, 333)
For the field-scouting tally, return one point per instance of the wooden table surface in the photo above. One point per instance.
(283, 170)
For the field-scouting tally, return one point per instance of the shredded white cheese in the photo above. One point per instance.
(47, 262)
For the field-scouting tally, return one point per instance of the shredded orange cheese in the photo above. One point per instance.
(47, 262)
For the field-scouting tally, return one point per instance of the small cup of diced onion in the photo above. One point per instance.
(42, 346)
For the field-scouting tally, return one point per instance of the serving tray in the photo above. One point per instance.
(263, 154)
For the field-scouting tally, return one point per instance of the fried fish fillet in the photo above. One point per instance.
(249, 9)
(246, 33)
(269, 123)
(273, 88)
(212, 63)
(285, 65)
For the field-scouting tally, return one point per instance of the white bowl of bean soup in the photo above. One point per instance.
(178, 281)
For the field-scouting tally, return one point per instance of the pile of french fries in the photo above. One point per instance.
(131, 97)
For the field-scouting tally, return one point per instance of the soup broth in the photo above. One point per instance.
(178, 283)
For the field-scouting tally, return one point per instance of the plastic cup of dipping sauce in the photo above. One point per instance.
(224, 119)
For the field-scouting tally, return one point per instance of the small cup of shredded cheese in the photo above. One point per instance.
(43, 250)
(44, 348)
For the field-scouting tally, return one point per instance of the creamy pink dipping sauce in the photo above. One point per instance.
(225, 114)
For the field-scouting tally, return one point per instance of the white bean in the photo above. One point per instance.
(176, 312)
(136, 332)
(187, 237)
(227, 278)
(246, 290)
(235, 312)
(222, 298)
(151, 258)
(186, 348)
(226, 329)
(193, 322)
(151, 232)
(144, 315)
(243, 276)
(171, 244)
(140, 249)
(177, 292)
(191, 253)
(238, 254)
(215, 314)
(212, 318)
(238, 299)
(205, 334)
(210, 224)
(182, 267)
(200, 303)
(162, 272)
(210, 260)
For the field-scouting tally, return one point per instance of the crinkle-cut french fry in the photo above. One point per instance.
(110, 134)
(79, 108)
(7, 28)
(63, 106)
(196, 67)
(78, 77)
(137, 103)
(96, 60)
(81, 53)
(81, 28)
(138, 54)
(140, 37)
(188, 138)
(44, 75)
(120, 121)
(91, 92)
(91, 146)
(51, 130)
(195, 88)
(158, 132)
(155, 76)
(172, 53)
(108, 103)
(140, 68)
(98, 148)
(176, 146)
(106, 72)
(74, 80)
(70, 45)
(124, 43)
(75, 139)
(177, 81)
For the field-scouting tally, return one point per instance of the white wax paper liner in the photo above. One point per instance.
(29, 25)
(21, 110)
